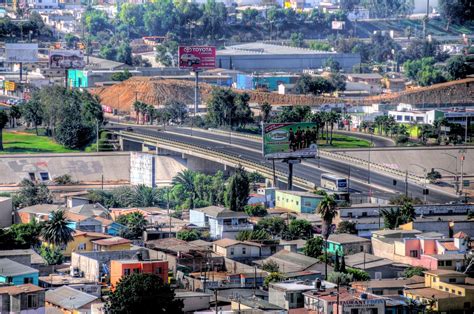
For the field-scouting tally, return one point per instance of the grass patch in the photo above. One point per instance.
(28, 142)
(344, 141)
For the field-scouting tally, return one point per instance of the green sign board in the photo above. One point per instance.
(466, 183)
(289, 140)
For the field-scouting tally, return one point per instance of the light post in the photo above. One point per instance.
(456, 177)
(462, 152)
(371, 130)
(377, 211)
(424, 181)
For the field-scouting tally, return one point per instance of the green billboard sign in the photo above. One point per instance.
(289, 140)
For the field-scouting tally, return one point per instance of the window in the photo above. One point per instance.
(449, 263)
(364, 214)
(407, 118)
(244, 251)
(413, 253)
(453, 291)
(399, 118)
(32, 176)
(297, 202)
(440, 263)
(459, 293)
(231, 251)
(28, 280)
(9, 279)
(81, 247)
(434, 279)
(362, 248)
(136, 270)
(452, 279)
(44, 176)
(349, 214)
(446, 289)
(158, 270)
(32, 300)
(126, 271)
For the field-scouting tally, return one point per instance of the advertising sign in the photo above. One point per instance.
(10, 86)
(66, 59)
(142, 169)
(286, 140)
(197, 57)
(338, 25)
(16, 53)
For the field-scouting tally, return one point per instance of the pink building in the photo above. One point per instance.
(429, 250)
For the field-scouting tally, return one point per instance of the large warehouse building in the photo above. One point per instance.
(256, 57)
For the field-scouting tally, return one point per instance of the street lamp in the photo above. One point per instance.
(456, 177)
(377, 211)
(371, 130)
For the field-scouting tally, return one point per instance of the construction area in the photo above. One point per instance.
(156, 91)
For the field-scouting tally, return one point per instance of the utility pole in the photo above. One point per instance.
(425, 20)
(462, 151)
(370, 148)
(274, 174)
(97, 133)
(196, 92)
(215, 299)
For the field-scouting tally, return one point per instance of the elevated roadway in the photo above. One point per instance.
(249, 150)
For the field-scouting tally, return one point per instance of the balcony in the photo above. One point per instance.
(239, 227)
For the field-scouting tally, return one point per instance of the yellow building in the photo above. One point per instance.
(444, 291)
(297, 201)
(111, 244)
(82, 242)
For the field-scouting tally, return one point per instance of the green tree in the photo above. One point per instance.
(265, 112)
(25, 236)
(332, 65)
(252, 235)
(273, 277)
(186, 180)
(121, 76)
(337, 265)
(340, 278)
(433, 175)
(273, 225)
(347, 227)
(392, 218)
(271, 266)
(358, 274)
(314, 247)
(297, 39)
(414, 271)
(237, 190)
(188, 235)
(56, 230)
(327, 210)
(138, 293)
(457, 68)
(167, 53)
(135, 223)
(255, 210)
(14, 114)
(3, 123)
(408, 212)
(52, 256)
(32, 112)
(143, 196)
(71, 41)
(31, 193)
(177, 111)
(300, 229)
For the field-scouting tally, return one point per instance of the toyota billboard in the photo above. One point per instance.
(197, 57)
(289, 140)
(66, 59)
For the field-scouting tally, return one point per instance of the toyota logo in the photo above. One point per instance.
(188, 49)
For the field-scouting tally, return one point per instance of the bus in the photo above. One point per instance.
(334, 183)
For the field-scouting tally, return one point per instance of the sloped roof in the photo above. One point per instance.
(112, 241)
(69, 298)
(345, 238)
(220, 212)
(88, 209)
(25, 288)
(290, 261)
(12, 268)
(226, 242)
(460, 235)
(367, 261)
(449, 246)
(40, 209)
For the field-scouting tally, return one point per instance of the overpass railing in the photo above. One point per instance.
(226, 158)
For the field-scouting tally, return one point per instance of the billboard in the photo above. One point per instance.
(142, 169)
(16, 53)
(197, 57)
(9, 86)
(286, 140)
(66, 59)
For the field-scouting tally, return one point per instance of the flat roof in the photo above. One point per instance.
(258, 48)
(346, 238)
(25, 288)
(69, 298)
(300, 193)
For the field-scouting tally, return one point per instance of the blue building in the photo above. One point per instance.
(269, 82)
(17, 274)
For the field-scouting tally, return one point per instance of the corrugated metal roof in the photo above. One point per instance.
(69, 298)
(12, 268)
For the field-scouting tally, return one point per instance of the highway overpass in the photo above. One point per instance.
(232, 150)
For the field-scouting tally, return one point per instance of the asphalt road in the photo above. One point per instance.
(230, 145)
(377, 141)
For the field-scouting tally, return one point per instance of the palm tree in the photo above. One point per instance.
(186, 179)
(327, 208)
(3, 123)
(14, 114)
(391, 217)
(56, 230)
(137, 108)
(266, 110)
(408, 212)
(318, 119)
(144, 196)
(333, 117)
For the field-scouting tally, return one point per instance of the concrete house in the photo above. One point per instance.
(375, 266)
(26, 298)
(346, 244)
(222, 222)
(297, 201)
(17, 274)
(234, 249)
(6, 208)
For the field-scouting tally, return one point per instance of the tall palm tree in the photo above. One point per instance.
(186, 179)
(327, 208)
(333, 118)
(143, 196)
(56, 230)
(137, 108)
(266, 110)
